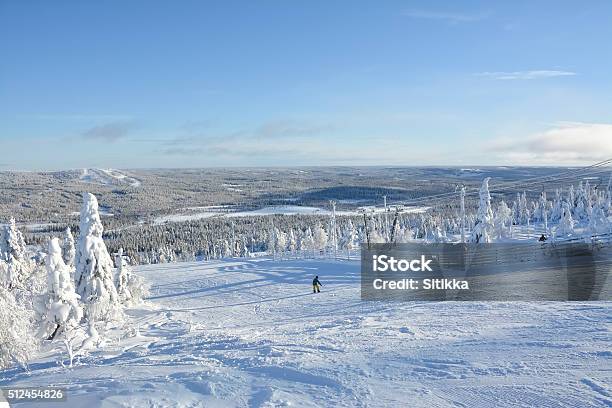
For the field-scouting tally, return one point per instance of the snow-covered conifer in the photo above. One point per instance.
(68, 249)
(94, 272)
(566, 224)
(280, 241)
(62, 307)
(405, 234)
(17, 344)
(524, 213)
(541, 207)
(320, 237)
(131, 288)
(377, 237)
(439, 235)
(555, 214)
(348, 239)
(291, 242)
(13, 252)
(307, 242)
(503, 220)
(481, 233)
(598, 222)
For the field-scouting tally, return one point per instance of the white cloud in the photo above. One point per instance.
(108, 132)
(522, 75)
(565, 143)
(292, 129)
(453, 17)
(75, 117)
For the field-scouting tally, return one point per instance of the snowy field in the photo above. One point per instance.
(248, 333)
(218, 211)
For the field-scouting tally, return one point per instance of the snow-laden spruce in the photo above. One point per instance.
(131, 288)
(481, 233)
(566, 224)
(94, 271)
(307, 242)
(17, 344)
(68, 249)
(320, 237)
(17, 266)
(62, 309)
(348, 238)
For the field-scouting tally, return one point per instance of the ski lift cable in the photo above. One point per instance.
(602, 166)
(534, 180)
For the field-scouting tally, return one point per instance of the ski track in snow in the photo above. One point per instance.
(249, 333)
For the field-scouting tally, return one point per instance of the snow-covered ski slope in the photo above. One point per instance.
(249, 333)
(107, 177)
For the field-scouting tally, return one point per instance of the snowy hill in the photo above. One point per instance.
(249, 333)
(108, 177)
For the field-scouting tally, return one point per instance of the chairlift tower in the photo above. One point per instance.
(386, 215)
(462, 195)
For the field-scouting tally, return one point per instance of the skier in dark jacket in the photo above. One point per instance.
(315, 285)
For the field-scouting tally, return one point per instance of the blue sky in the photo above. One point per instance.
(132, 84)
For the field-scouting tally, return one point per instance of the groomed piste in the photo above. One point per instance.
(249, 333)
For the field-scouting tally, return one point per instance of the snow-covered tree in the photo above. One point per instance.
(226, 249)
(292, 242)
(62, 311)
(94, 272)
(524, 214)
(377, 237)
(348, 239)
(582, 203)
(481, 233)
(13, 252)
(68, 249)
(307, 242)
(271, 242)
(439, 235)
(320, 237)
(502, 221)
(12, 243)
(598, 222)
(516, 218)
(17, 344)
(566, 224)
(280, 241)
(131, 288)
(555, 214)
(541, 208)
(462, 212)
(404, 235)
(244, 249)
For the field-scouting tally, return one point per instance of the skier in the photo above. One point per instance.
(315, 285)
(542, 238)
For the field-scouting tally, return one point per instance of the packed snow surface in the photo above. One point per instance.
(249, 333)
